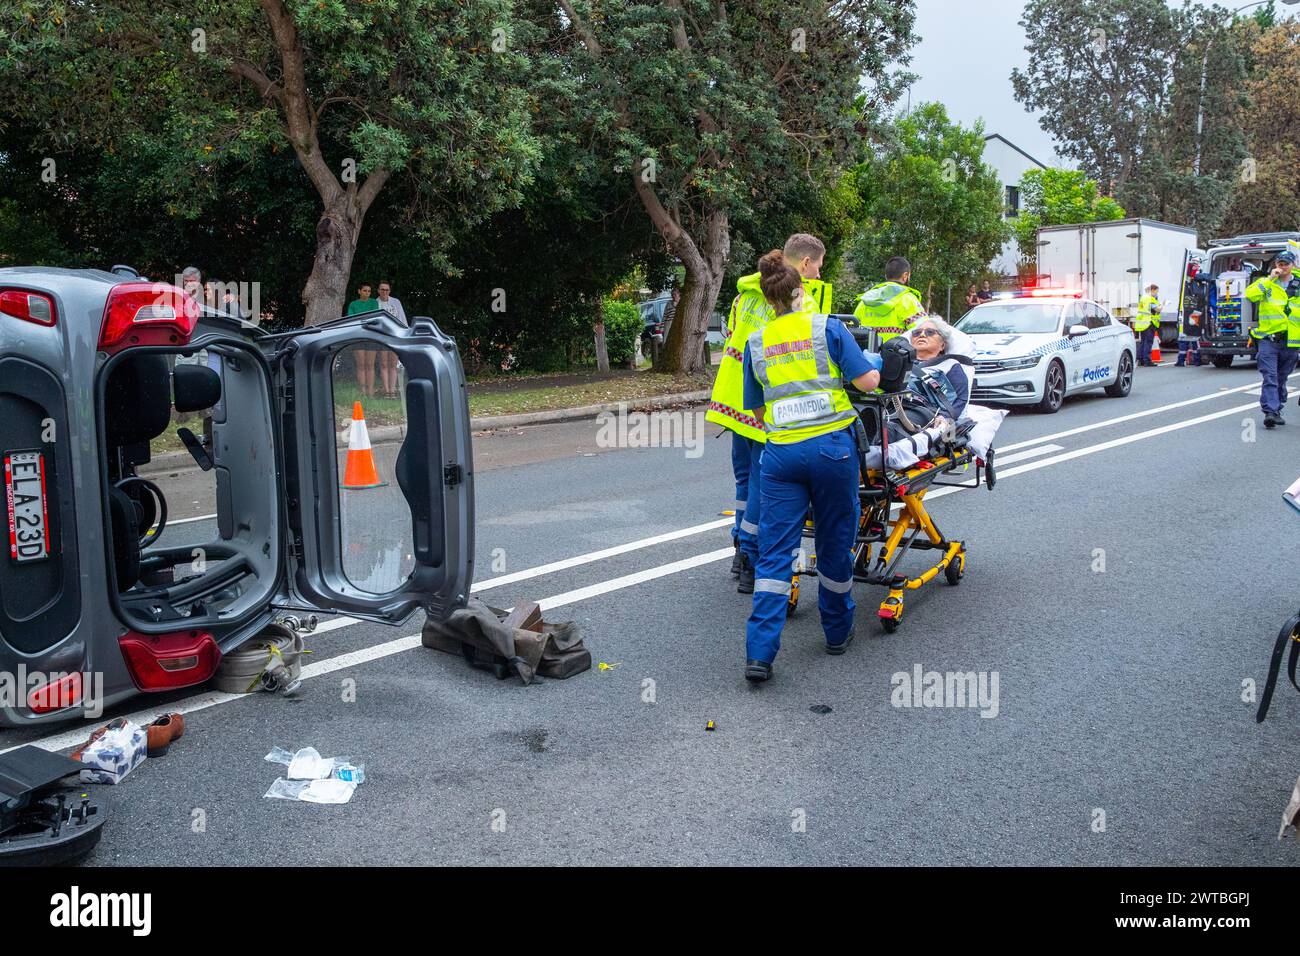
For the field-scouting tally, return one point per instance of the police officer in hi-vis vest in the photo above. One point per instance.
(1147, 323)
(1277, 304)
(750, 312)
(890, 307)
(795, 369)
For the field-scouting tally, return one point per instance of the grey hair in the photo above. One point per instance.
(190, 272)
(938, 322)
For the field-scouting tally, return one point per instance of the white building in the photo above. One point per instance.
(1010, 162)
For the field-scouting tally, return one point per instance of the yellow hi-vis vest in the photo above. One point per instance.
(887, 308)
(803, 391)
(1148, 314)
(749, 313)
(1277, 311)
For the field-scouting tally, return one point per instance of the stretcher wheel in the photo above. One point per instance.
(890, 624)
(792, 602)
(956, 568)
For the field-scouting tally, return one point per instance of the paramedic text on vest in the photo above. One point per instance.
(892, 306)
(750, 312)
(1277, 302)
(795, 368)
(1147, 323)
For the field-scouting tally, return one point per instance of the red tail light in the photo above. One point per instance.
(57, 695)
(29, 306)
(168, 661)
(147, 313)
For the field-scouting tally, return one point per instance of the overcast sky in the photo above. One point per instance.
(963, 60)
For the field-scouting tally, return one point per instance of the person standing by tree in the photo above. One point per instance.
(365, 358)
(985, 293)
(387, 357)
(1277, 299)
(972, 296)
(750, 312)
(889, 306)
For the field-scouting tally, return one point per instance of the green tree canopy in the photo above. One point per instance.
(1054, 197)
(708, 107)
(425, 94)
(927, 194)
(1146, 97)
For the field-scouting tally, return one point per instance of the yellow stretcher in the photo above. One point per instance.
(894, 521)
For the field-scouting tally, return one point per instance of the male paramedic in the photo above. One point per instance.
(750, 312)
(1147, 323)
(890, 307)
(795, 368)
(1277, 302)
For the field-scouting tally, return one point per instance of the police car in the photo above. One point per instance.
(1036, 348)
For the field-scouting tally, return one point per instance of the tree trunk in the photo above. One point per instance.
(684, 352)
(326, 291)
(602, 353)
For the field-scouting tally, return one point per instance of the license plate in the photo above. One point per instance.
(28, 516)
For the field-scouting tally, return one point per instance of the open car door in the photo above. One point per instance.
(378, 478)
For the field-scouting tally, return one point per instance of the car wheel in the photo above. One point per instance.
(1123, 383)
(1222, 361)
(1053, 389)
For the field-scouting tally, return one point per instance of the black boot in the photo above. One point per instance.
(735, 559)
(757, 671)
(745, 578)
(1272, 420)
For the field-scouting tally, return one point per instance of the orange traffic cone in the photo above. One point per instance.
(1155, 348)
(361, 471)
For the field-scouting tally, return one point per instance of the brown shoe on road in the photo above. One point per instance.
(163, 732)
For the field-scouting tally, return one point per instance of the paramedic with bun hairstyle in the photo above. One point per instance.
(795, 370)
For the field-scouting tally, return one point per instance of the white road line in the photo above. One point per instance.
(600, 555)
(1130, 417)
(1027, 453)
(72, 738)
(175, 521)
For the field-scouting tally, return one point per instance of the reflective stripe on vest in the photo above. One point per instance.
(1273, 304)
(889, 310)
(750, 312)
(791, 360)
(1145, 318)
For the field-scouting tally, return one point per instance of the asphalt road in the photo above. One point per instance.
(1126, 576)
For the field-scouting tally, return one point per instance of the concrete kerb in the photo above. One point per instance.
(381, 434)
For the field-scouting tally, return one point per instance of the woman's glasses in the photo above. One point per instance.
(922, 333)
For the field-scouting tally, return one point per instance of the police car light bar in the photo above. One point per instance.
(1052, 293)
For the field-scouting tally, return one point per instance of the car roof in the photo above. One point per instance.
(50, 273)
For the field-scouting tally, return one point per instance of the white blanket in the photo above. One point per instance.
(906, 452)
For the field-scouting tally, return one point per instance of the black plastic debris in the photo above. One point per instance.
(43, 822)
(820, 708)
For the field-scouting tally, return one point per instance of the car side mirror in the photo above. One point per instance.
(1076, 331)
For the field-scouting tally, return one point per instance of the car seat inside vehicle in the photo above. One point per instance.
(204, 567)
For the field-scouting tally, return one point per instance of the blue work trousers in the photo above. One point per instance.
(822, 471)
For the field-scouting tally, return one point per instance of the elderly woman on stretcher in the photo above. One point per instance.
(930, 410)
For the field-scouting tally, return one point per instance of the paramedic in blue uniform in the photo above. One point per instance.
(795, 370)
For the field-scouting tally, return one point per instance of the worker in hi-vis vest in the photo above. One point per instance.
(796, 369)
(1277, 336)
(1147, 323)
(749, 313)
(891, 306)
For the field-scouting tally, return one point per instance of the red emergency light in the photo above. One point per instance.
(1040, 293)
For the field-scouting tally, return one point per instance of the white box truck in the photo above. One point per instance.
(1113, 263)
